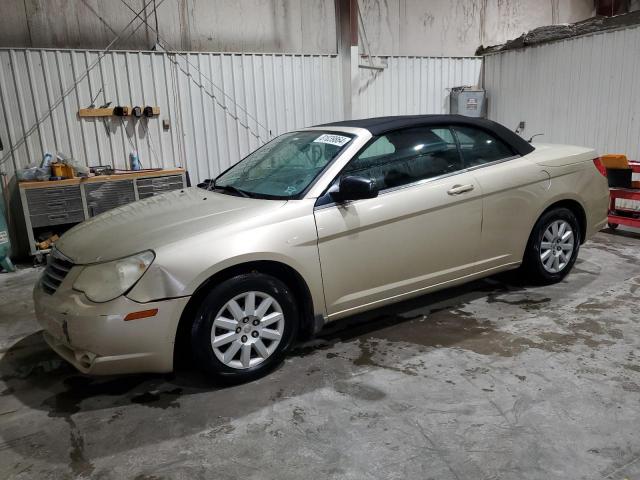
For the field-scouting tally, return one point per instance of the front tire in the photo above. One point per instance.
(244, 327)
(553, 246)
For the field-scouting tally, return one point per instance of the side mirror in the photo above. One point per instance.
(355, 188)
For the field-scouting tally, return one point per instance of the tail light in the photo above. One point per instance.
(601, 168)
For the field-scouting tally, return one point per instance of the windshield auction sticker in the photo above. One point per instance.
(338, 140)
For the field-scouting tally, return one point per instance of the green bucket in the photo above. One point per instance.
(5, 243)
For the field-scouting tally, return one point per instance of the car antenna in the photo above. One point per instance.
(534, 136)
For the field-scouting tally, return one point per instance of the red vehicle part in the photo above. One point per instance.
(622, 216)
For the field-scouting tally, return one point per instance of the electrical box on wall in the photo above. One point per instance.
(468, 101)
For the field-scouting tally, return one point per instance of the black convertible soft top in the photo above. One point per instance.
(382, 125)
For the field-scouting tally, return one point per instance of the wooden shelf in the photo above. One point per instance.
(108, 112)
(102, 178)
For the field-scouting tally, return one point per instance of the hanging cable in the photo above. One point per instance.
(145, 126)
(173, 50)
(157, 29)
(367, 47)
(177, 106)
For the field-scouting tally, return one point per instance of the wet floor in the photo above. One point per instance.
(494, 379)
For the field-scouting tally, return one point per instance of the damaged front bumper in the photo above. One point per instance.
(95, 338)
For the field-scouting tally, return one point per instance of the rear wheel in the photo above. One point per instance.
(553, 246)
(244, 327)
(613, 226)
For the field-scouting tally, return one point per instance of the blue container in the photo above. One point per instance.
(134, 161)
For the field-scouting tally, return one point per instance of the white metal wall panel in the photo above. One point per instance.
(583, 91)
(413, 85)
(220, 106)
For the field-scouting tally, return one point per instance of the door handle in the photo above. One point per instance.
(458, 189)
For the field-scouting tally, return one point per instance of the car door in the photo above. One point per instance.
(511, 186)
(422, 230)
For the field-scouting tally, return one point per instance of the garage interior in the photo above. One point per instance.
(494, 379)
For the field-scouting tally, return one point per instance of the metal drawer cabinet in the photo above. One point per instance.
(62, 204)
(50, 219)
(148, 187)
(41, 197)
(103, 196)
(54, 205)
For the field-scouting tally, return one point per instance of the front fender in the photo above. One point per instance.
(289, 237)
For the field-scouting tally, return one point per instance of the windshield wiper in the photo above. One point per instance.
(232, 189)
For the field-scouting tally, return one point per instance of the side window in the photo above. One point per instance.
(479, 147)
(379, 147)
(406, 156)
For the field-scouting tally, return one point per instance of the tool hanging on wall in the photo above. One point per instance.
(120, 111)
(93, 100)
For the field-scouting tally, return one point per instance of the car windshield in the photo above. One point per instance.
(284, 167)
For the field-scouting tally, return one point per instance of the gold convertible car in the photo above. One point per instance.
(316, 225)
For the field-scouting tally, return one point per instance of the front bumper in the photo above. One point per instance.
(94, 337)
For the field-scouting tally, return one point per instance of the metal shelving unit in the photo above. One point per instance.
(68, 202)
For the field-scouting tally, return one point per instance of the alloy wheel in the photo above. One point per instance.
(556, 248)
(247, 330)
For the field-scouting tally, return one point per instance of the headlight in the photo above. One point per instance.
(105, 281)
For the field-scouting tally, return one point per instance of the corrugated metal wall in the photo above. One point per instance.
(583, 91)
(219, 106)
(413, 85)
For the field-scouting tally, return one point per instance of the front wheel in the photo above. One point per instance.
(553, 246)
(244, 327)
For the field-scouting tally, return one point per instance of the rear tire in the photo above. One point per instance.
(613, 226)
(244, 327)
(553, 247)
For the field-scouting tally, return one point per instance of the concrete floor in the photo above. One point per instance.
(491, 380)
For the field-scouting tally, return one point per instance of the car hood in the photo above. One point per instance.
(156, 221)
